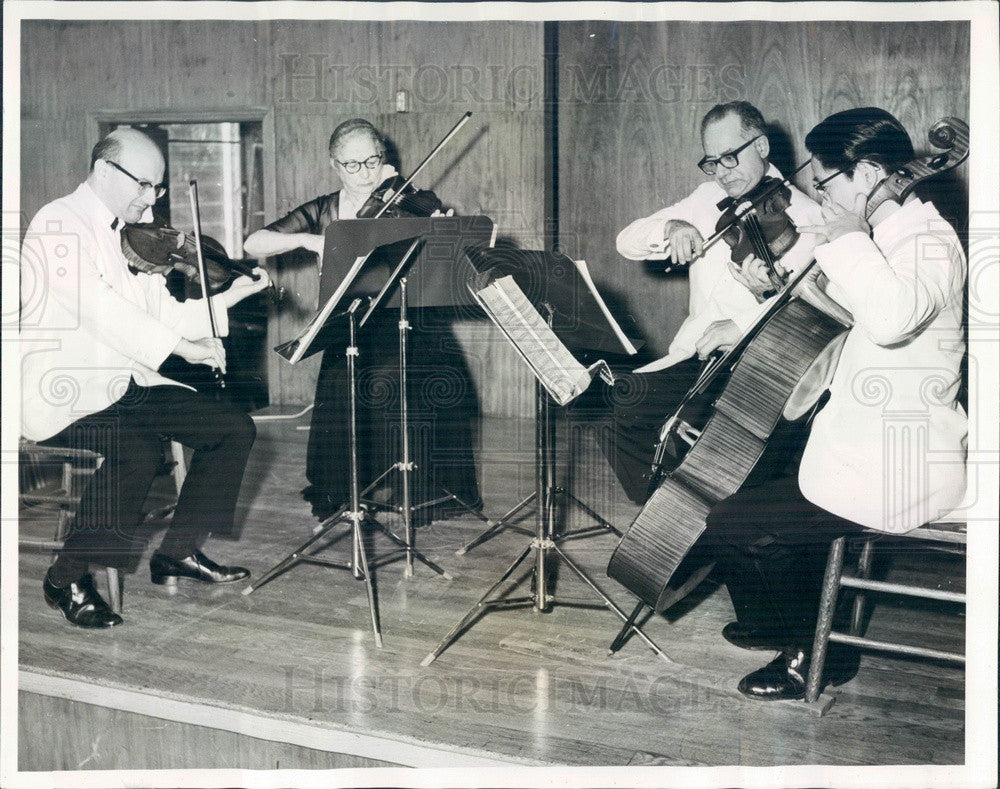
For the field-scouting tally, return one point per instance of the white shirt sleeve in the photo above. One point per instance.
(643, 239)
(188, 318)
(894, 297)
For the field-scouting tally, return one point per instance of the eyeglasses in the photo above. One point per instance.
(710, 164)
(354, 166)
(158, 189)
(820, 186)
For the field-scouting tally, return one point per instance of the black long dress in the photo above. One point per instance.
(442, 401)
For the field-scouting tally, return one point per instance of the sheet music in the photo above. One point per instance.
(563, 377)
(581, 266)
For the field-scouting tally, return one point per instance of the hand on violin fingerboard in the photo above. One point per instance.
(684, 240)
(838, 221)
(245, 286)
(752, 274)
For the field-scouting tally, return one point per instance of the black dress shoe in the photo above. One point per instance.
(80, 603)
(785, 676)
(782, 678)
(164, 570)
(746, 637)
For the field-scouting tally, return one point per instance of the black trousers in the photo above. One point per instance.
(129, 434)
(770, 546)
(642, 403)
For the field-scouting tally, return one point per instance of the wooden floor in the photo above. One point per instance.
(519, 687)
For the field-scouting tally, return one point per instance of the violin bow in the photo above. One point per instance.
(202, 274)
(454, 130)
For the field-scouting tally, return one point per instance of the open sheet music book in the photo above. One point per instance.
(563, 377)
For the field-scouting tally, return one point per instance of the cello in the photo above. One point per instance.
(794, 341)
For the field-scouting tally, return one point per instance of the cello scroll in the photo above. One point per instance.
(951, 135)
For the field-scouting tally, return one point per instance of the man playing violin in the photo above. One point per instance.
(92, 348)
(725, 298)
(900, 271)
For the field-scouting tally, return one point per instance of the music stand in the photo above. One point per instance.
(382, 252)
(572, 322)
(435, 271)
(582, 322)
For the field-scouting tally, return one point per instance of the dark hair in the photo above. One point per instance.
(864, 133)
(348, 128)
(108, 148)
(750, 117)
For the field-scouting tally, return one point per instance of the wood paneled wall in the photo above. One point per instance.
(303, 78)
(632, 95)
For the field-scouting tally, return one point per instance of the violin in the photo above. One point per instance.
(395, 197)
(160, 249)
(757, 224)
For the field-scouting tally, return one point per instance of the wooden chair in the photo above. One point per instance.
(76, 464)
(946, 533)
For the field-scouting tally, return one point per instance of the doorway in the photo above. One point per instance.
(225, 159)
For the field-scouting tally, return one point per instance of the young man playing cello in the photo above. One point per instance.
(901, 272)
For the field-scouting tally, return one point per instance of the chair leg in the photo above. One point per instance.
(62, 526)
(114, 590)
(67, 489)
(824, 622)
(67, 477)
(864, 570)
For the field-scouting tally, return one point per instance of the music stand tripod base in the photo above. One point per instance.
(602, 525)
(355, 514)
(542, 546)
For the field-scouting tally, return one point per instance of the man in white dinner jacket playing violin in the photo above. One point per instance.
(95, 334)
(725, 298)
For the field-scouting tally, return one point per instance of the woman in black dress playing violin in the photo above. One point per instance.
(444, 456)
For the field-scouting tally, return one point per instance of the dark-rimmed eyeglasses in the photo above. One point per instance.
(820, 186)
(354, 166)
(710, 164)
(158, 189)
